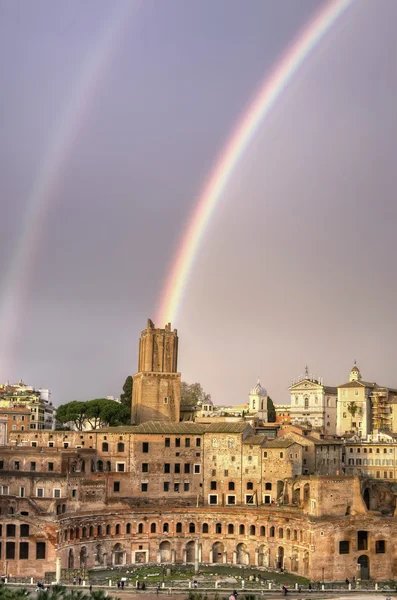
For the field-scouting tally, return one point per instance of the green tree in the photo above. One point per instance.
(126, 396)
(100, 412)
(271, 411)
(72, 412)
(192, 394)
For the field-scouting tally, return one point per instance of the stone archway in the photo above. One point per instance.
(118, 555)
(217, 552)
(363, 562)
(165, 552)
(70, 559)
(367, 498)
(306, 564)
(242, 556)
(83, 557)
(262, 556)
(98, 555)
(190, 552)
(280, 558)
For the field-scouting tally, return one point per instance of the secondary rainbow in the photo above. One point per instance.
(271, 89)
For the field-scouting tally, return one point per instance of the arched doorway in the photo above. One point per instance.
(217, 552)
(165, 551)
(306, 564)
(366, 496)
(70, 559)
(190, 552)
(98, 555)
(118, 555)
(363, 561)
(280, 558)
(262, 556)
(242, 554)
(83, 557)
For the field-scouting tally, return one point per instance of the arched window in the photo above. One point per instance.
(192, 528)
(288, 534)
(140, 528)
(268, 486)
(107, 529)
(99, 530)
(153, 528)
(252, 529)
(262, 531)
(84, 534)
(231, 486)
(241, 530)
(306, 402)
(179, 527)
(295, 534)
(108, 465)
(218, 528)
(230, 529)
(271, 533)
(117, 529)
(77, 535)
(93, 466)
(120, 447)
(99, 466)
(281, 532)
(128, 528)
(205, 528)
(105, 447)
(250, 485)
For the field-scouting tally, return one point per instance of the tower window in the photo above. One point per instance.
(165, 400)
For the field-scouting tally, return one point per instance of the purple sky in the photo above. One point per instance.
(299, 263)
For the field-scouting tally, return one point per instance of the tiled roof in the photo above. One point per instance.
(227, 427)
(255, 440)
(280, 443)
(157, 427)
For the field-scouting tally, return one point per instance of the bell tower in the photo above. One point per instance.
(156, 393)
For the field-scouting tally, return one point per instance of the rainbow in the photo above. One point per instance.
(15, 287)
(271, 89)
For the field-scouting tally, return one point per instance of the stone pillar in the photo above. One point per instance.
(211, 556)
(234, 561)
(256, 558)
(173, 556)
(200, 553)
(224, 558)
(158, 557)
(184, 556)
(196, 556)
(58, 569)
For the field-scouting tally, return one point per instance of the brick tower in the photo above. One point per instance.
(156, 394)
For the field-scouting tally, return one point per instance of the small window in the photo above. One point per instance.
(218, 528)
(57, 493)
(40, 492)
(250, 485)
(165, 400)
(32, 466)
(11, 530)
(344, 547)
(177, 442)
(213, 499)
(231, 499)
(177, 468)
(116, 486)
(23, 550)
(105, 447)
(153, 528)
(380, 546)
(197, 469)
(186, 486)
(145, 467)
(281, 454)
(144, 487)
(166, 486)
(167, 468)
(249, 499)
(213, 485)
(187, 468)
(120, 447)
(176, 487)
(187, 442)
(40, 550)
(179, 527)
(198, 442)
(120, 467)
(167, 442)
(145, 447)
(231, 486)
(50, 466)
(10, 550)
(205, 528)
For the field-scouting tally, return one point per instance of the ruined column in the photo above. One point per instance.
(58, 569)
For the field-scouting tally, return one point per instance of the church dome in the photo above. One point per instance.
(258, 390)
